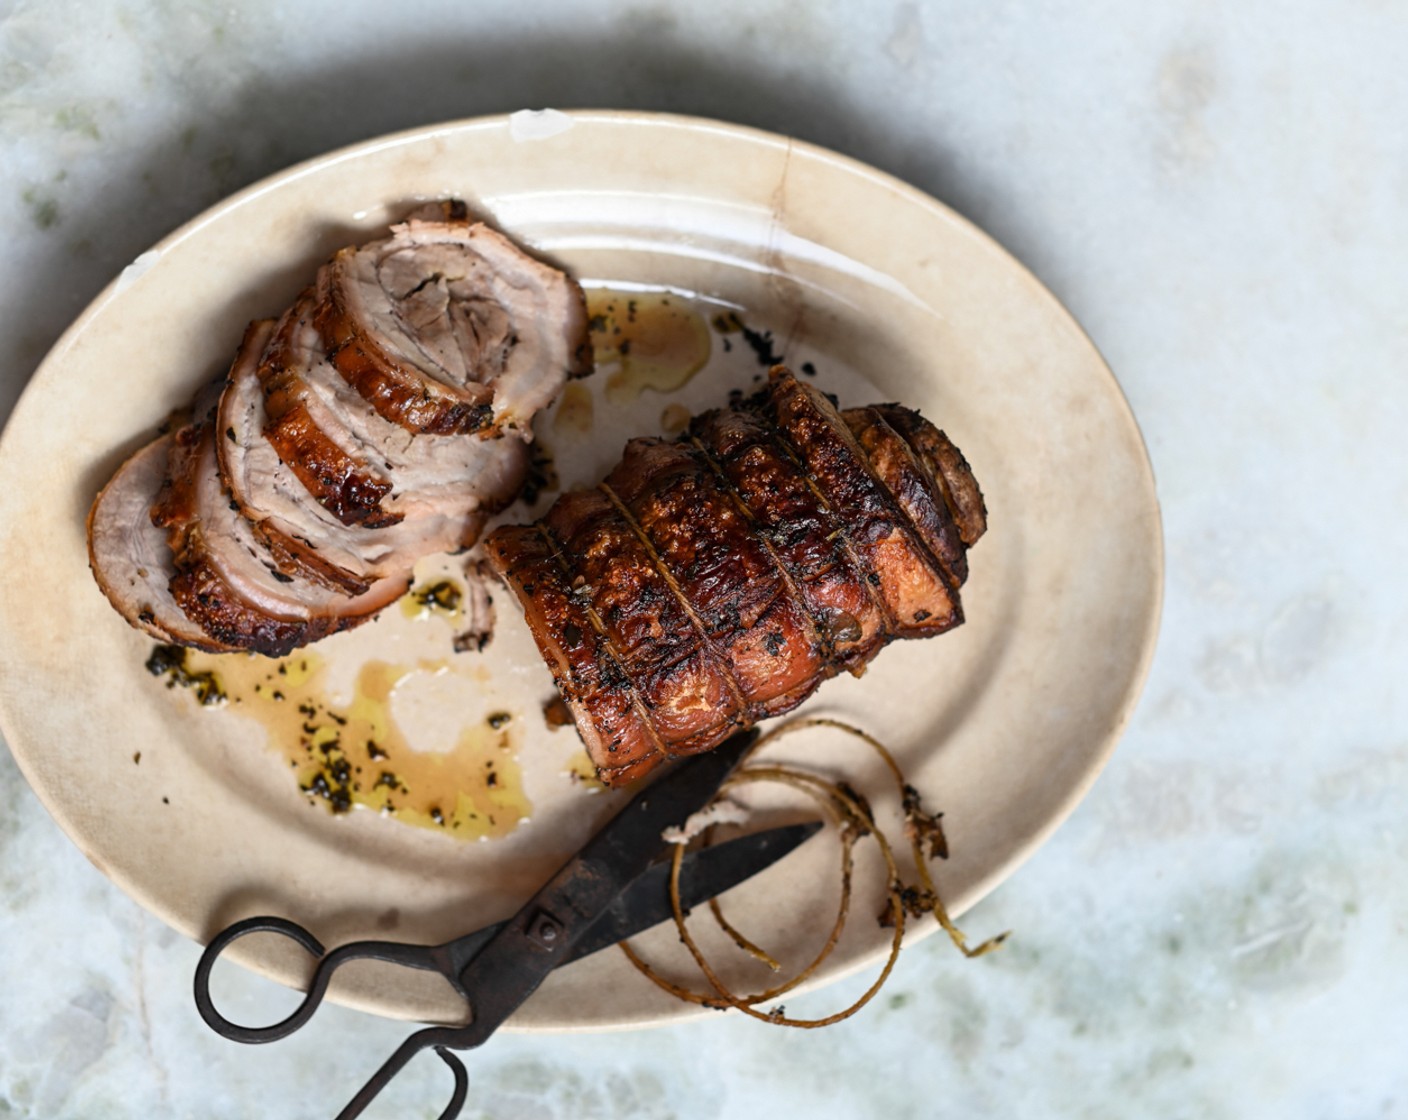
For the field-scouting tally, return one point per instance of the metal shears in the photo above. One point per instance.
(613, 888)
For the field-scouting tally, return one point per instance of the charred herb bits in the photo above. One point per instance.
(353, 752)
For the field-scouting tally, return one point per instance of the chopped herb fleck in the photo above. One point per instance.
(170, 661)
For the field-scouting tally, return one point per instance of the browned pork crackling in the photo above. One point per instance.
(715, 580)
(382, 418)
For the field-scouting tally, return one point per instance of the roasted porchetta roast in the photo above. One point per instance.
(707, 583)
(382, 418)
(714, 580)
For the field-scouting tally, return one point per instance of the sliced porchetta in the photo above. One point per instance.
(383, 418)
(360, 466)
(225, 577)
(313, 542)
(129, 555)
(448, 326)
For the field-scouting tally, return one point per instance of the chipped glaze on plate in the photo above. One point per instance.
(1003, 724)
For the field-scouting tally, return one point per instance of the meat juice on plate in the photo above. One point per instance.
(356, 751)
(645, 340)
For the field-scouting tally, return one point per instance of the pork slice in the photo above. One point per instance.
(272, 497)
(225, 578)
(476, 630)
(402, 475)
(448, 326)
(129, 555)
(946, 465)
(307, 435)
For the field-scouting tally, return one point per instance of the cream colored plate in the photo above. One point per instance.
(1003, 724)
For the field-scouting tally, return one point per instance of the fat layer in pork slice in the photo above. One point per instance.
(308, 436)
(364, 469)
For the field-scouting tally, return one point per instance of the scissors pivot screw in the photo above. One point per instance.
(545, 930)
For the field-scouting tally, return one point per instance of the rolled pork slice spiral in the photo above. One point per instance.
(448, 326)
(715, 580)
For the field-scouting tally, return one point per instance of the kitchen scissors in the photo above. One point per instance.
(614, 887)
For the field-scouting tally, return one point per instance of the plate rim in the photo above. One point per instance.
(1139, 671)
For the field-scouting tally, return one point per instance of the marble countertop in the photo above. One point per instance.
(1218, 192)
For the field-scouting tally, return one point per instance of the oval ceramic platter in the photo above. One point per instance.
(759, 247)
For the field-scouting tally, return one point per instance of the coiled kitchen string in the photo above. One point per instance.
(854, 820)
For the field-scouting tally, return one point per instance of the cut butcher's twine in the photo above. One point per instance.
(854, 820)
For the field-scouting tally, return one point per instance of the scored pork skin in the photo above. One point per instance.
(716, 580)
(800, 529)
(610, 716)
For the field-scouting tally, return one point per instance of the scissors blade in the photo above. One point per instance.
(546, 929)
(707, 872)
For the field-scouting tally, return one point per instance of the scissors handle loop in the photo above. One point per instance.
(412, 956)
(441, 1040)
(457, 1100)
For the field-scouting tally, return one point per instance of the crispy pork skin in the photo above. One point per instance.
(947, 466)
(800, 529)
(913, 488)
(612, 718)
(912, 587)
(715, 580)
